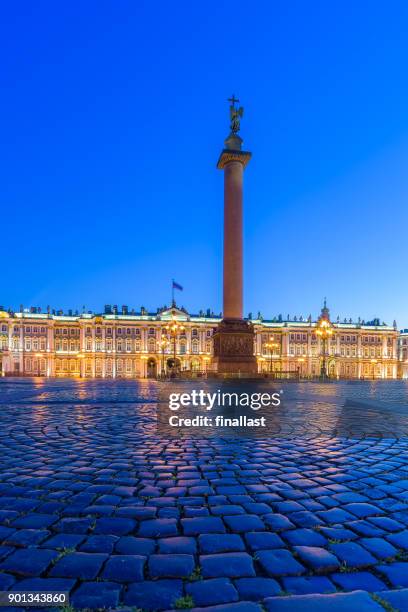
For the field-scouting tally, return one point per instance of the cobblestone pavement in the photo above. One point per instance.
(95, 502)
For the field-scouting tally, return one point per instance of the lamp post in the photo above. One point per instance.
(271, 346)
(174, 328)
(163, 345)
(324, 331)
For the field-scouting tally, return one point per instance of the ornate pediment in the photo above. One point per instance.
(173, 313)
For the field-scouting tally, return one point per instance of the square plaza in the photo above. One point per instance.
(95, 502)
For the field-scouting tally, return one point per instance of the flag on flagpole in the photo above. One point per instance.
(177, 286)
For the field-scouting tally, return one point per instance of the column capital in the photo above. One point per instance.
(227, 156)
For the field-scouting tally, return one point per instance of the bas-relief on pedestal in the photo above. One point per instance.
(234, 347)
(234, 338)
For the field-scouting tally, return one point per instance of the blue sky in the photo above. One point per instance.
(113, 117)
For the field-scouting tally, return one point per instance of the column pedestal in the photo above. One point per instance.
(234, 348)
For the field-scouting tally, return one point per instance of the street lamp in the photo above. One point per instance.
(324, 331)
(163, 345)
(174, 328)
(271, 346)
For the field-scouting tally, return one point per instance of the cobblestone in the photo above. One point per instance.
(94, 501)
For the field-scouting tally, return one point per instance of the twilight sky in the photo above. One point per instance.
(113, 115)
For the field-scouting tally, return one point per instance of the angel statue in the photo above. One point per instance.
(235, 115)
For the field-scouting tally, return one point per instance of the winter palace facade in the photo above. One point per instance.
(123, 344)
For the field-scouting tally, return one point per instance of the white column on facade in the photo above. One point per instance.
(21, 348)
(50, 350)
(384, 346)
(259, 341)
(82, 345)
(285, 350)
(10, 337)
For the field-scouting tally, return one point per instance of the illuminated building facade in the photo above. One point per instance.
(403, 353)
(140, 345)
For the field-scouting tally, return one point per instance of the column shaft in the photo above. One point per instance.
(233, 255)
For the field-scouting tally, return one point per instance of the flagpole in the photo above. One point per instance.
(172, 291)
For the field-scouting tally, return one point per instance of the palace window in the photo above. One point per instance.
(194, 332)
(128, 345)
(89, 345)
(120, 345)
(109, 345)
(194, 346)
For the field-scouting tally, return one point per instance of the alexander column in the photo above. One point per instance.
(234, 338)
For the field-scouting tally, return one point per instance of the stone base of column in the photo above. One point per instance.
(234, 348)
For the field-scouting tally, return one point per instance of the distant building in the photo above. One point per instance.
(138, 345)
(403, 353)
